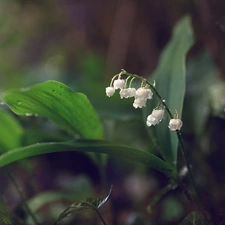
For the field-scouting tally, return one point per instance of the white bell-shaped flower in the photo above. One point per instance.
(139, 102)
(151, 120)
(175, 124)
(110, 91)
(132, 92)
(154, 118)
(119, 84)
(143, 93)
(124, 93)
(158, 114)
(127, 92)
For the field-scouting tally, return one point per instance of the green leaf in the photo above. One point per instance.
(193, 219)
(54, 100)
(88, 204)
(10, 132)
(170, 83)
(87, 146)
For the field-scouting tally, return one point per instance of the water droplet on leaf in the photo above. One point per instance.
(28, 114)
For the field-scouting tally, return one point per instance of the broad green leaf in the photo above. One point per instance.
(10, 132)
(5, 217)
(57, 102)
(88, 204)
(87, 146)
(193, 219)
(170, 83)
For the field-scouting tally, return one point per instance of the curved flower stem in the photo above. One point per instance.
(123, 72)
(183, 152)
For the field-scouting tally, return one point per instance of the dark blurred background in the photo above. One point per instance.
(83, 43)
(66, 39)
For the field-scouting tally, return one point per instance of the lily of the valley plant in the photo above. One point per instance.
(141, 94)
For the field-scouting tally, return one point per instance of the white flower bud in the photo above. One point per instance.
(175, 124)
(119, 84)
(109, 91)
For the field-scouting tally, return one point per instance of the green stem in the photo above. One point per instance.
(163, 102)
(197, 198)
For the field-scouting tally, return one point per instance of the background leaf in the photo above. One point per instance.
(170, 83)
(87, 146)
(192, 219)
(57, 102)
(88, 204)
(11, 132)
(5, 217)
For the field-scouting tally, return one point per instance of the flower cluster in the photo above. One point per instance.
(141, 95)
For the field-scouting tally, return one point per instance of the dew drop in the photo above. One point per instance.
(28, 114)
(19, 102)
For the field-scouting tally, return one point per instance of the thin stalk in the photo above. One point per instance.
(163, 102)
(197, 198)
(12, 179)
(101, 218)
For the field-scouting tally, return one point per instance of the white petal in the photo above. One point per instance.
(109, 91)
(132, 92)
(151, 120)
(175, 124)
(119, 84)
(124, 93)
(139, 102)
(143, 93)
(158, 113)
